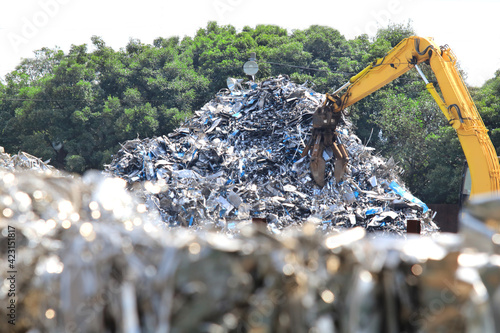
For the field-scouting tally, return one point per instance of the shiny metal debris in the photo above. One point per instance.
(23, 161)
(91, 258)
(239, 157)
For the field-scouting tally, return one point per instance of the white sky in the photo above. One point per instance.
(470, 27)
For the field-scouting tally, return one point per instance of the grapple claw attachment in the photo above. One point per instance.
(318, 164)
(318, 167)
(325, 120)
(339, 171)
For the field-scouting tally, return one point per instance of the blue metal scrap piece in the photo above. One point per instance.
(408, 196)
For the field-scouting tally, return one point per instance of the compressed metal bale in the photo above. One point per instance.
(109, 271)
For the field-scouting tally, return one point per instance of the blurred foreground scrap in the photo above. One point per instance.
(90, 258)
(239, 157)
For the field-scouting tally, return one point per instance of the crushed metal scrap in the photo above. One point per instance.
(23, 161)
(239, 157)
(90, 258)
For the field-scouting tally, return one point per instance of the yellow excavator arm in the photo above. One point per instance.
(456, 104)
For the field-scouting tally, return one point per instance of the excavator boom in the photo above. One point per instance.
(456, 104)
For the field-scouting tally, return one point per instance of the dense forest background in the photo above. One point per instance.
(76, 108)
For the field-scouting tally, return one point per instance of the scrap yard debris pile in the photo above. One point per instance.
(239, 158)
(88, 254)
(23, 161)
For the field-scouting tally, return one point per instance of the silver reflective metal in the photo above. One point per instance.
(248, 142)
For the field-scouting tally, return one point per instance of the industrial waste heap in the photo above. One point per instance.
(239, 157)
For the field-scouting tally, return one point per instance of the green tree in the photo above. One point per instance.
(395, 33)
(488, 103)
(75, 108)
(416, 134)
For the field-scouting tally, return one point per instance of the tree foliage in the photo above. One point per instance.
(75, 108)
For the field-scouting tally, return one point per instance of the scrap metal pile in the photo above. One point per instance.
(92, 254)
(23, 161)
(89, 257)
(239, 158)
